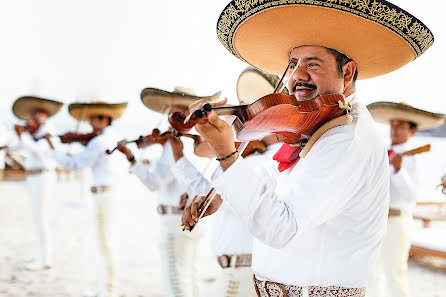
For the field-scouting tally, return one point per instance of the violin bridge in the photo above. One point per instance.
(345, 106)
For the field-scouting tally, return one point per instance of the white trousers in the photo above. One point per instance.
(392, 280)
(178, 251)
(236, 282)
(40, 187)
(105, 218)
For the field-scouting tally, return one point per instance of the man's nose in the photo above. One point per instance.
(301, 74)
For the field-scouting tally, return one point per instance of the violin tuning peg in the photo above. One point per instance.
(198, 114)
(207, 107)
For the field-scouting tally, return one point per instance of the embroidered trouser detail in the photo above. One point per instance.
(178, 251)
(105, 209)
(271, 289)
(235, 282)
(392, 279)
(39, 188)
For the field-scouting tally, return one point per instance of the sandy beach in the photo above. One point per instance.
(76, 256)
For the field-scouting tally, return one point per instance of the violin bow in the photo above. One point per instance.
(208, 107)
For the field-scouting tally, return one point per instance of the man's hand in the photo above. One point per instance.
(192, 210)
(121, 146)
(396, 160)
(19, 129)
(177, 148)
(217, 133)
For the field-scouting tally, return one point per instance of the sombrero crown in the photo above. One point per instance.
(83, 111)
(379, 36)
(384, 112)
(24, 107)
(252, 84)
(161, 101)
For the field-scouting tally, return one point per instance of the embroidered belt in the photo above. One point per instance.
(240, 260)
(169, 209)
(100, 189)
(394, 212)
(36, 171)
(272, 289)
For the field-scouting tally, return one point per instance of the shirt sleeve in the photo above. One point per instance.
(190, 176)
(406, 180)
(315, 192)
(151, 179)
(80, 160)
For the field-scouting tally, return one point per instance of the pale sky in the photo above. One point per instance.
(87, 50)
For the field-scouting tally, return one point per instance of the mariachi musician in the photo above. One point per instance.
(231, 240)
(106, 171)
(405, 178)
(39, 166)
(178, 249)
(318, 227)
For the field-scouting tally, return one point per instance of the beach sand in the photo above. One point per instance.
(76, 256)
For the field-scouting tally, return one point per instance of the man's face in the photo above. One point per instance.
(40, 116)
(175, 108)
(98, 122)
(400, 131)
(317, 73)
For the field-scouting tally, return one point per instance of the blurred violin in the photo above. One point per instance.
(71, 137)
(31, 127)
(158, 137)
(276, 113)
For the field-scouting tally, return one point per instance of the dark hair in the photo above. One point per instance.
(341, 60)
(413, 125)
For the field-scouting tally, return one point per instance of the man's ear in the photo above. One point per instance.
(413, 130)
(349, 70)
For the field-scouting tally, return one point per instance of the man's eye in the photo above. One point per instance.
(292, 66)
(312, 64)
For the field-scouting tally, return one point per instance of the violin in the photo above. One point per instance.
(84, 139)
(160, 138)
(31, 127)
(276, 113)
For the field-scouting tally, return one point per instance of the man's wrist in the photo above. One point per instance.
(226, 163)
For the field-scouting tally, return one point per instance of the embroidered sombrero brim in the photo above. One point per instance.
(24, 107)
(384, 112)
(379, 36)
(253, 84)
(161, 101)
(83, 111)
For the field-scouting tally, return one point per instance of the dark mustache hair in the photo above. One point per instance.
(301, 84)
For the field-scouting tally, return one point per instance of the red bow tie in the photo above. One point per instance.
(390, 152)
(287, 156)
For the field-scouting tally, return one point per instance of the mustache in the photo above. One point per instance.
(301, 84)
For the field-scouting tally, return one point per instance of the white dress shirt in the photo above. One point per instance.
(405, 183)
(37, 153)
(106, 169)
(322, 222)
(159, 178)
(229, 235)
(4, 140)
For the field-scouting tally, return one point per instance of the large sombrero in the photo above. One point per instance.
(161, 101)
(83, 111)
(252, 84)
(379, 36)
(384, 112)
(24, 107)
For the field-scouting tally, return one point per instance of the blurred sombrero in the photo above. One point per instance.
(379, 36)
(83, 111)
(384, 112)
(161, 101)
(253, 84)
(24, 107)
